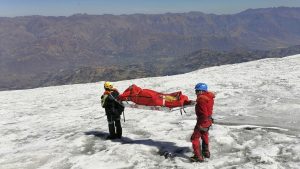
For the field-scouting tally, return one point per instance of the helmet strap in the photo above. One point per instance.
(107, 89)
(199, 91)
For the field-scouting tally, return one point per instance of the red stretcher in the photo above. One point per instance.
(136, 97)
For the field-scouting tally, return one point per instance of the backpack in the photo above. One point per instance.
(119, 107)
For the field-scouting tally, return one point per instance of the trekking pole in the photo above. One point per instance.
(124, 116)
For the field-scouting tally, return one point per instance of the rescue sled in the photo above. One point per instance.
(136, 97)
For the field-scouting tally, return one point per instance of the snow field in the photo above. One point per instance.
(256, 112)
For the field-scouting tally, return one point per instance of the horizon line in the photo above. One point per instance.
(145, 13)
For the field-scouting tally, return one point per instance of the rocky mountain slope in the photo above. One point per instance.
(167, 66)
(34, 47)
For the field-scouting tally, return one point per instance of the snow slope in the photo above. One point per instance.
(256, 111)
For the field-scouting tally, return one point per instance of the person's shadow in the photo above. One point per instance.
(166, 149)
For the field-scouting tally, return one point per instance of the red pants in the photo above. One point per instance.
(196, 142)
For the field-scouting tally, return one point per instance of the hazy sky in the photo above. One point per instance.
(69, 7)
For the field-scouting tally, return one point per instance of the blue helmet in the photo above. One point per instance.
(201, 86)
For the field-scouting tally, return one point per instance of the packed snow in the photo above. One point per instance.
(257, 114)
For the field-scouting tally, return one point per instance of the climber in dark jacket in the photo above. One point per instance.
(113, 110)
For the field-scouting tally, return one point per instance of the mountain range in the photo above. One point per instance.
(42, 50)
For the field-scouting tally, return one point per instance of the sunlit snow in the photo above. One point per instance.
(257, 114)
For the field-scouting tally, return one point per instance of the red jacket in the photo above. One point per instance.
(204, 109)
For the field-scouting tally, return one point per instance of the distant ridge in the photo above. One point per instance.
(35, 47)
(167, 66)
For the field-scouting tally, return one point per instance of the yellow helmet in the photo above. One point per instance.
(108, 85)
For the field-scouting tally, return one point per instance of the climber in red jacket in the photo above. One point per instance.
(204, 110)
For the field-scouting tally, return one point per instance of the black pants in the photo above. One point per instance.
(114, 126)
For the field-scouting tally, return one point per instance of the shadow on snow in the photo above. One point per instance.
(166, 149)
